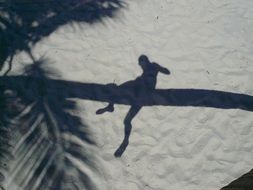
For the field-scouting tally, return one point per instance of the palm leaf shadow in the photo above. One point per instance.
(38, 133)
(23, 23)
(45, 139)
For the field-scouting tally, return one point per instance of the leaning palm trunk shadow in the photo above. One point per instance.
(130, 93)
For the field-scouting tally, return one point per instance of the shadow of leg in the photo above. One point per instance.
(109, 108)
(128, 127)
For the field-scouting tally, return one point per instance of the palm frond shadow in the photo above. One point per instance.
(23, 23)
(39, 135)
(42, 141)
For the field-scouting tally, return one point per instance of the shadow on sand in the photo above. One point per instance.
(37, 128)
(244, 182)
(138, 93)
(43, 143)
(23, 23)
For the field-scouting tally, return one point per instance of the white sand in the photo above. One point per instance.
(205, 44)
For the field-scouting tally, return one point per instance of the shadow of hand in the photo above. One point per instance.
(167, 71)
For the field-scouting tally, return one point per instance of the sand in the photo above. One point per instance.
(206, 45)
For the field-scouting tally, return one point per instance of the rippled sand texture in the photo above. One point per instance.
(205, 44)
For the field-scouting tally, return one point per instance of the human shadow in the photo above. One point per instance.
(138, 93)
(141, 86)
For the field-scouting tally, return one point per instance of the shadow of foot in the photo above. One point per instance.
(106, 109)
(121, 149)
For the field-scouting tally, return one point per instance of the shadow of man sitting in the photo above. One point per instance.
(136, 93)
(142, 85)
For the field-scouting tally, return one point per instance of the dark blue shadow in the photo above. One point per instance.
(138, 93)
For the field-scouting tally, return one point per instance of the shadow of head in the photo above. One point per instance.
(150, 67)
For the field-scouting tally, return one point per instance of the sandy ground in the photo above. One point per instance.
(205, 44)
